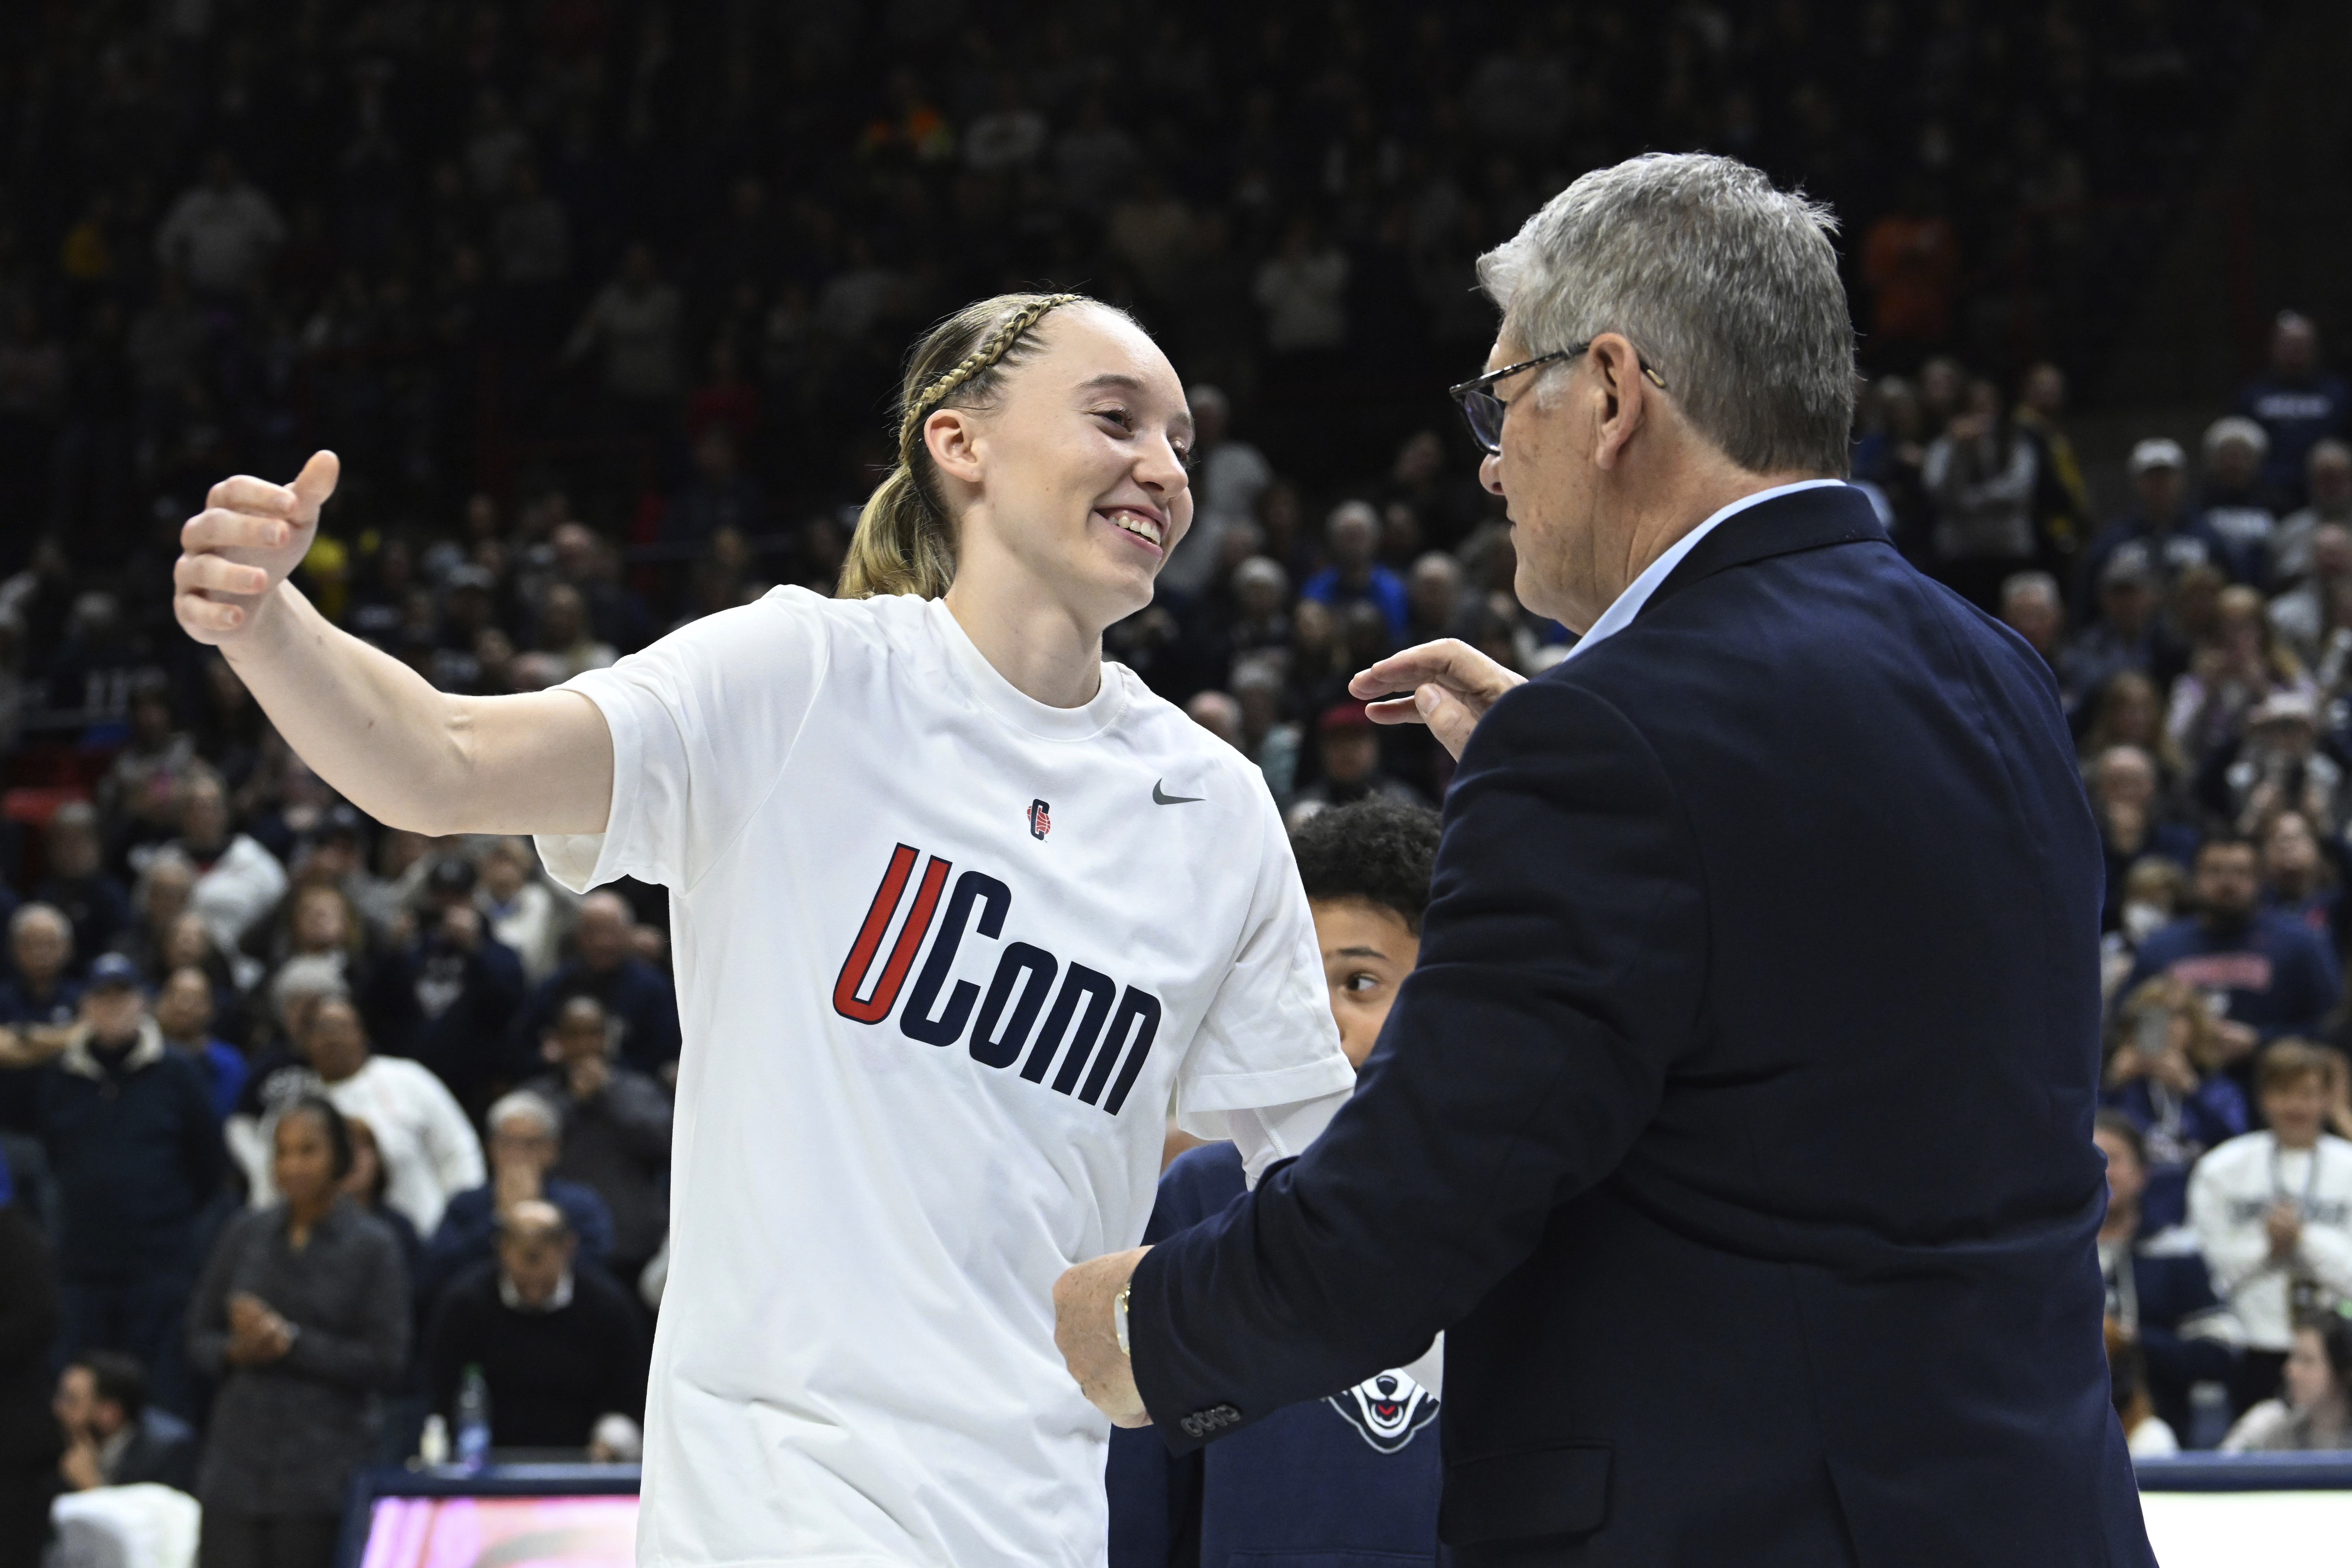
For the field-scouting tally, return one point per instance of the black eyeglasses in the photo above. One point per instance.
(1483, 411)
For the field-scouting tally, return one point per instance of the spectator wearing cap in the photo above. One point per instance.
(2125, 634)
(2327, 487)
(2277, 765)
(526, 1141)
(2237, 505)
(447, 997)
(1351, 537)
(135, 1150)
(78, 884)
(2269, 974)
(615, 1129)
(2160, 1296)
(1349, 749)
(2309, 617)
(562, 1347)
(2296, 400)
(2234, 668)
(184, 1013)
(2173, 537)
(113, 1437)
(635, 995)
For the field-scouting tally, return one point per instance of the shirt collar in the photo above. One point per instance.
(1627, 605)
(514, 1302)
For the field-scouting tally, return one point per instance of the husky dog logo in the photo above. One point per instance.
(1386, 1410)
(1041, 819)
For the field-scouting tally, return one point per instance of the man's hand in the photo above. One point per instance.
(1453, 685)
(1088, 1339)
(2237, 1040)
(516, 1180)
(587, 1076)
(249, 536)
(2284, 1225)
(78, 1465)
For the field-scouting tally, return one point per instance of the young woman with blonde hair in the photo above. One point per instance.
(959, 910)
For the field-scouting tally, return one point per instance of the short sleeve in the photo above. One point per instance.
(1268, 1038)
(703, 722)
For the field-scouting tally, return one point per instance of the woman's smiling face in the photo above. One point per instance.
(1076, 473)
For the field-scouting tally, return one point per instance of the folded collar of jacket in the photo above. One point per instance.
(145, 1052)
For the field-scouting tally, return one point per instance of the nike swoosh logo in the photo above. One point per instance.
(1161, 797)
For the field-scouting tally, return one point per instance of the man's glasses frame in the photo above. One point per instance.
(1483, 411)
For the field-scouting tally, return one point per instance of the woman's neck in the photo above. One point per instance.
(301, 1218)
(2121, 1223)
(1035, 642)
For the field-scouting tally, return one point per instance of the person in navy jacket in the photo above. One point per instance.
(1735, 1126)
(2278, 975)
(1357, 1472)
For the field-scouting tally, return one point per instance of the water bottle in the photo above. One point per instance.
(473, 1420)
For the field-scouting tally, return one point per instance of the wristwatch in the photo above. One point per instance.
(1119, 1316)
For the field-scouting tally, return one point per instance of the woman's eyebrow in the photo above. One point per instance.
(1112, 380)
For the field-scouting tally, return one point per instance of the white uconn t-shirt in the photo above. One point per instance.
(901, 891)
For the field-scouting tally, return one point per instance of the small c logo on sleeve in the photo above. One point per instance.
(1041, 819)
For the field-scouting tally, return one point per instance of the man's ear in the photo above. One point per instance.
(952, 437)
(1624, 395)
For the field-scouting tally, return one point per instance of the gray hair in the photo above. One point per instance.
(1262, 569)
(2039, 585)
(524, 1106)
(1729, 288)
(2235, 427)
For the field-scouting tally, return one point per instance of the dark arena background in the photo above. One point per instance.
(604, 304)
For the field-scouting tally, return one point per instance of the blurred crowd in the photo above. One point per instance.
(601, 302)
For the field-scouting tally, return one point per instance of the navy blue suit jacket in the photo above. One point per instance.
(1736, 1122)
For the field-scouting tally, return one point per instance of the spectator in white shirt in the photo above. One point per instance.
(2315, 1410)
(1303, 289)
(2273, 1211)
(2327, 479)
(635, 322)
(1228, 477)
(221, 236)
(238, 881)
(1009, 137)
(430, 1150)
(523, 909)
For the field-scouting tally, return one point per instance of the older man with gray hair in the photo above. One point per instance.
(1792, 845)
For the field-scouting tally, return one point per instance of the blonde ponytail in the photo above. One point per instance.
(905, 541)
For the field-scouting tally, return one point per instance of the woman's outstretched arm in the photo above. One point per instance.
(402, 752)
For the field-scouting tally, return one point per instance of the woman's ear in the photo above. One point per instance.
(952, 437)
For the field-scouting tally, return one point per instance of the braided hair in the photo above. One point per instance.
(905, 540)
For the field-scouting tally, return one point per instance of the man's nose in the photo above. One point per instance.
(1490, 473)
